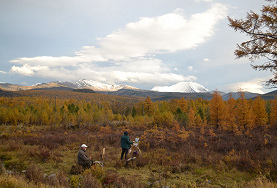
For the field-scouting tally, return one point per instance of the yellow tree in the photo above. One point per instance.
(230, 114)
(243, 112)
(259, 111)
(217, 110)
(148, 106)
(173, 105)
(4, 115)
(183, 104)
(192, 118)
(192, 105)
(43, 117)
(273, 114)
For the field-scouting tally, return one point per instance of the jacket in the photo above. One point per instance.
(82, 157)
(125, 142)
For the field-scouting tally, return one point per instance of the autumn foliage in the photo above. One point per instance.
(236, 115)
(179, 136)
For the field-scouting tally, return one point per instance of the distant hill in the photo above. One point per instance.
(4, 93)
(54, 88)
(80, 84)
(269, 96)
(155, 95)
(187, 90)
(84, 90)
(236, 95)
(13, 87)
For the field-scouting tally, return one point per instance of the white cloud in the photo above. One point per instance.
(127, 55)
(3, 72)
(206, 60)
(203, 1)
(190, 68)
(137, 72)
(163, 34)
(51, 61)
(253, 86)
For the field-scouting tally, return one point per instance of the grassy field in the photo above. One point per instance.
(41, 157)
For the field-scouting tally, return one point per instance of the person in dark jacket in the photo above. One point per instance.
(125, 144)
(82, 157)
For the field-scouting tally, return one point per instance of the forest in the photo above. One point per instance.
(183, 142)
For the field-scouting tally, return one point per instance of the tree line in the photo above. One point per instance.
(234, 114)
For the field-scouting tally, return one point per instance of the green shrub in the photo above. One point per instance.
(12, 181)
(75, 181)
(16, 164)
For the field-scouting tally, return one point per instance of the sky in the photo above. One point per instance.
(142, 43)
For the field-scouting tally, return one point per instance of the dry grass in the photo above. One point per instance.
(169, 157)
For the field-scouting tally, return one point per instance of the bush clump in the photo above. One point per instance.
(34, 173)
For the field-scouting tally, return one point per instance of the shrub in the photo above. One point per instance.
(44, 154)
(97, 171)
(76, 169)
(109, 178)
(2, 169)
(59, 179)
(15, 163)
(34, 173)
(75, 181)
(273, 175)
(90, 181)
(12, 181)
(260, 182)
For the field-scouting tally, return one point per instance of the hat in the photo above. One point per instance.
(84, 146)
(126, 133)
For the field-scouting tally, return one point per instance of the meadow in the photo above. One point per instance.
(183, 142)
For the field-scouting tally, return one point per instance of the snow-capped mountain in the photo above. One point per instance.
(182, 87)
(96, 86)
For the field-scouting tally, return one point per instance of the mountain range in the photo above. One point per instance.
(183, 89)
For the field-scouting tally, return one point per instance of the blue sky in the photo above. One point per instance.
(135, 42)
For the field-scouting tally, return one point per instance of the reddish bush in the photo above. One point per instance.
(34, 173)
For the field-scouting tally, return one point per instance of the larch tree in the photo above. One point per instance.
(259, 110)
(192, 118)
(148, 106)
(217, 110)
(230, 113)
(262, 32)
(243, 112)
(273, 114)
(183, 104)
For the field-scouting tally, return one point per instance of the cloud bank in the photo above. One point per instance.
(128, 54)
(253, 86)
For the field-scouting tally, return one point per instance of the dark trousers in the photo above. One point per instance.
(124, 151)
(87, 164)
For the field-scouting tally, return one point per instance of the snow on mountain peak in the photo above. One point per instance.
(97, 86)
(182, 87)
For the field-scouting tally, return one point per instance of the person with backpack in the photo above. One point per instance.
(125, 145)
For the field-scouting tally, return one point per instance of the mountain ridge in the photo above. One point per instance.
(125, 90)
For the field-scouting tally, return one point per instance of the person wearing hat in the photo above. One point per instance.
(82, 157)
(125, 144)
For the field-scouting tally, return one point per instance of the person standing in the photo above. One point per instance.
(125, 145)
(82, 157)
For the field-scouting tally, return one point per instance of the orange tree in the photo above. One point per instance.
(261, 28)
